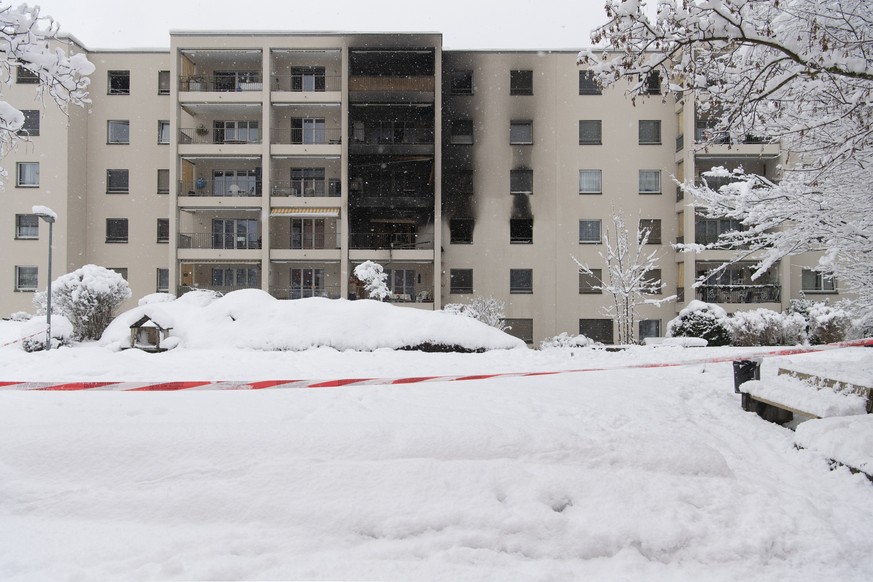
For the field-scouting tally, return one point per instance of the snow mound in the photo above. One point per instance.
(802, 396)
(848, 440)
(253, 319)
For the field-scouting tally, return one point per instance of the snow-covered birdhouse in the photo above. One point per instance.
(147, 334)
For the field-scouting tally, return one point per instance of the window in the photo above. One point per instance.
(708, 230)
(121, 271)
(401, 281)
(163, 131)
(462, 131)
(163, 82)
(521, 280)
(249, 132)
(590, 132)
(163, 281)
(459, 182)
(235, 233)
(589, 231)
(653, 225)
(521, 132)
(587, 84)
(119, 82)
(27, 174)
(462, 82)
(307, 233)
(650, 328)
(521, 181)
(163, 181)
(520, 328)
(26, 278)
(600, 330)
(650, 181)
(304, 130)
(653, 283)
(307, 283)
(118, 132)
(461, 231)
(308, 79)
(26, 226)
(163, 230)
(521, 82)
(653, 83)
(117, 181)
(461, 281)
(817, 282)
(521, 231)
(31, 123)
(307, 182)
(590, 283)
(26, 76)
(237, 81)
(650, 132)
(590, 182)
(116, 230)
(236, 182)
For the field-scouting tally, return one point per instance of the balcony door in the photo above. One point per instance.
(307, 233)
(234, 233)
(308, 130)
(307, 79)
(307, 282)
(236, 182)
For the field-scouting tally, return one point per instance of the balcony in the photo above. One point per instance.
(391, 241)
(206, 240)
(222, 82)
(307, 83)
(226, 188)
(308, 188)
(298, 292)
(307, 240)
(389, 137)
(205, 135)
(770, 293)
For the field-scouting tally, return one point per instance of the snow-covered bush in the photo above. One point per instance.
(373, 277)
(33, 333)
(19, 316)
(765, 327)
(703, 320)
(88, 298)
(565, 340)
(488, 310)
(158, 298)
(824, 323)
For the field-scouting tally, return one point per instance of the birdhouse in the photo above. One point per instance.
(147, 334)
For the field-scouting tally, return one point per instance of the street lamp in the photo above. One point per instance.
(49, 216)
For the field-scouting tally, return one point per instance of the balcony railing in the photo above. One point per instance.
(390, 133)
(391, 241)
(740, 293)
(223, 289)
(225, 187)
(329, 291)
(391, 83)
(705, 135)
(330, 187)
(207, 240)
(306, 136)
(306, 83)
(240, 81)
(309, 241)
(207, 135)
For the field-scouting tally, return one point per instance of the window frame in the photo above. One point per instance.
(587, 283)
(655, 225)
(455, 287)
(656, 275)
(163, 172)
(517, 238)
(119, 172)
(521, 281)
(598, 322)
(119, 123)
(640, 333)
(22, 230)
(521, 123)
(163, 128)
(164, 80)
(521, 174)
(456, 88)
(461, 231)
(596, 123)
(520, 327)
(116, 223)
(162, 275)
(587, 85)
(123, 271)
(591, 241)
(163, 224)
(820, 284)
(31, 116)
(20, 276)
(114, 77)
(641, 182)
(458, 134)
(655, 126)
(599, 175)
(20, 175)
(27, 78)
(521, 82)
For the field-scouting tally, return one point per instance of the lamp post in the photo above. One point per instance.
(49, 216)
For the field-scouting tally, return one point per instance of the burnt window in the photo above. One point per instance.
(462, 82)
(521, 231)
(521, 82)
(521, 281)
(119, 83)
(461, 231)
(521, 181)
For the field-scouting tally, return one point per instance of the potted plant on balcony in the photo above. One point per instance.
(202, 130)
(195, 83)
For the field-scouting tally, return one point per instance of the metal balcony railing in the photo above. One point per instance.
(306, 135)
(226, 82)
(207, 240)
(306, 83)
(770, 293)
(304, 188)
(208, 135)
(390, 133)
(309, 241)
(223, 187)
(297, 292)
(390, 241)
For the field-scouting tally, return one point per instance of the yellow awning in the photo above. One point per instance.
(306, 212)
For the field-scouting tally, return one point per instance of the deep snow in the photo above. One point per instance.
(628, 474)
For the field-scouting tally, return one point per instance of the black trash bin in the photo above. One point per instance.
(745, 370)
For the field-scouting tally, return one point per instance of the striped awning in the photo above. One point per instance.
(306, 212)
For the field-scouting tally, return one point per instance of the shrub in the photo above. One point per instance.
(488, 310)
(824, 323)
(19, 316)
(765, 327)
(703, 320)
(33, 333)
(565, 340)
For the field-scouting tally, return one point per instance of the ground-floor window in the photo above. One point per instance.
(600, 330)
(307, 282)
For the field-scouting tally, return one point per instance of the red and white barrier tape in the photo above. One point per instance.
(336, 383)
(21, 339)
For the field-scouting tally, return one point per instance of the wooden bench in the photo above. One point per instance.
(779, 399)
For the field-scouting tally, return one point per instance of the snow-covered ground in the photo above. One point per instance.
(628, 473)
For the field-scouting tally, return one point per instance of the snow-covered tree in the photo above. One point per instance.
(629, 275)
(26, 34)
(87, 297)
(797, 71)
(373, 276)
(703, 320)
(488, 310)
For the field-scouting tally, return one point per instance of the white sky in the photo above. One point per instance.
(465, 24)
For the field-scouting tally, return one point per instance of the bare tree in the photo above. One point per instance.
(629, 275)
(797, 71)
(25, 36)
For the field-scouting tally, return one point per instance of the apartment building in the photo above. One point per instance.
(281, 161)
